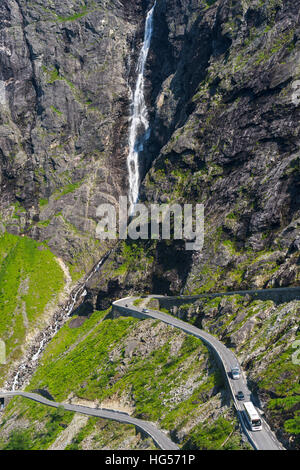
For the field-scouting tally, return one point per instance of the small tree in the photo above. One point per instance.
(19, 440)
(58, 414)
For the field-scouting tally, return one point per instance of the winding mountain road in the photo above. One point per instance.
(260, 440)
(159, 437)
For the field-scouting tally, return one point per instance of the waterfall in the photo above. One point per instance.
(139, 127)
(139, 133)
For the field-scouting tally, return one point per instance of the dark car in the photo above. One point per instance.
(240, 395)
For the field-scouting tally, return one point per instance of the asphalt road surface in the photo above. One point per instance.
(159, 437)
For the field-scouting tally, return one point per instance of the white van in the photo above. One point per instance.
(252, 416)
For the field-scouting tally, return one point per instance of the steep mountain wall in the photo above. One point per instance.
(65, 75)
(223, 97)
(226, 120)
(221, 84)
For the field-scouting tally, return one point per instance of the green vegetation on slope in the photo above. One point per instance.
(30, 278)
(37, 426)
(282, 379)
(215, 436)
(88, 371)
(264, 335)
(104, 434)
(159, 371)
(134, 257)
(64, 367)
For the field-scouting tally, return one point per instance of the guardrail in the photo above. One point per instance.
(277, 295)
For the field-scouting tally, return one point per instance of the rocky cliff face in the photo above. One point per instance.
(224, 98)
(222, 89)
(225, 117)
(226, 131)
(264, 335)
(65, 73)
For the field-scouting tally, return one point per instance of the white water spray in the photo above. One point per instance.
(139, 128)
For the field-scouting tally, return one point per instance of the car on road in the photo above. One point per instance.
(235, 373)
(240, 395)
(145, 310)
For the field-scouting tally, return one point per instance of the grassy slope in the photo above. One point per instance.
(93, 363)
(102, 434)
(37, 426)
(30, 278)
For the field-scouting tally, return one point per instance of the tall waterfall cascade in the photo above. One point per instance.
(139, 131)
